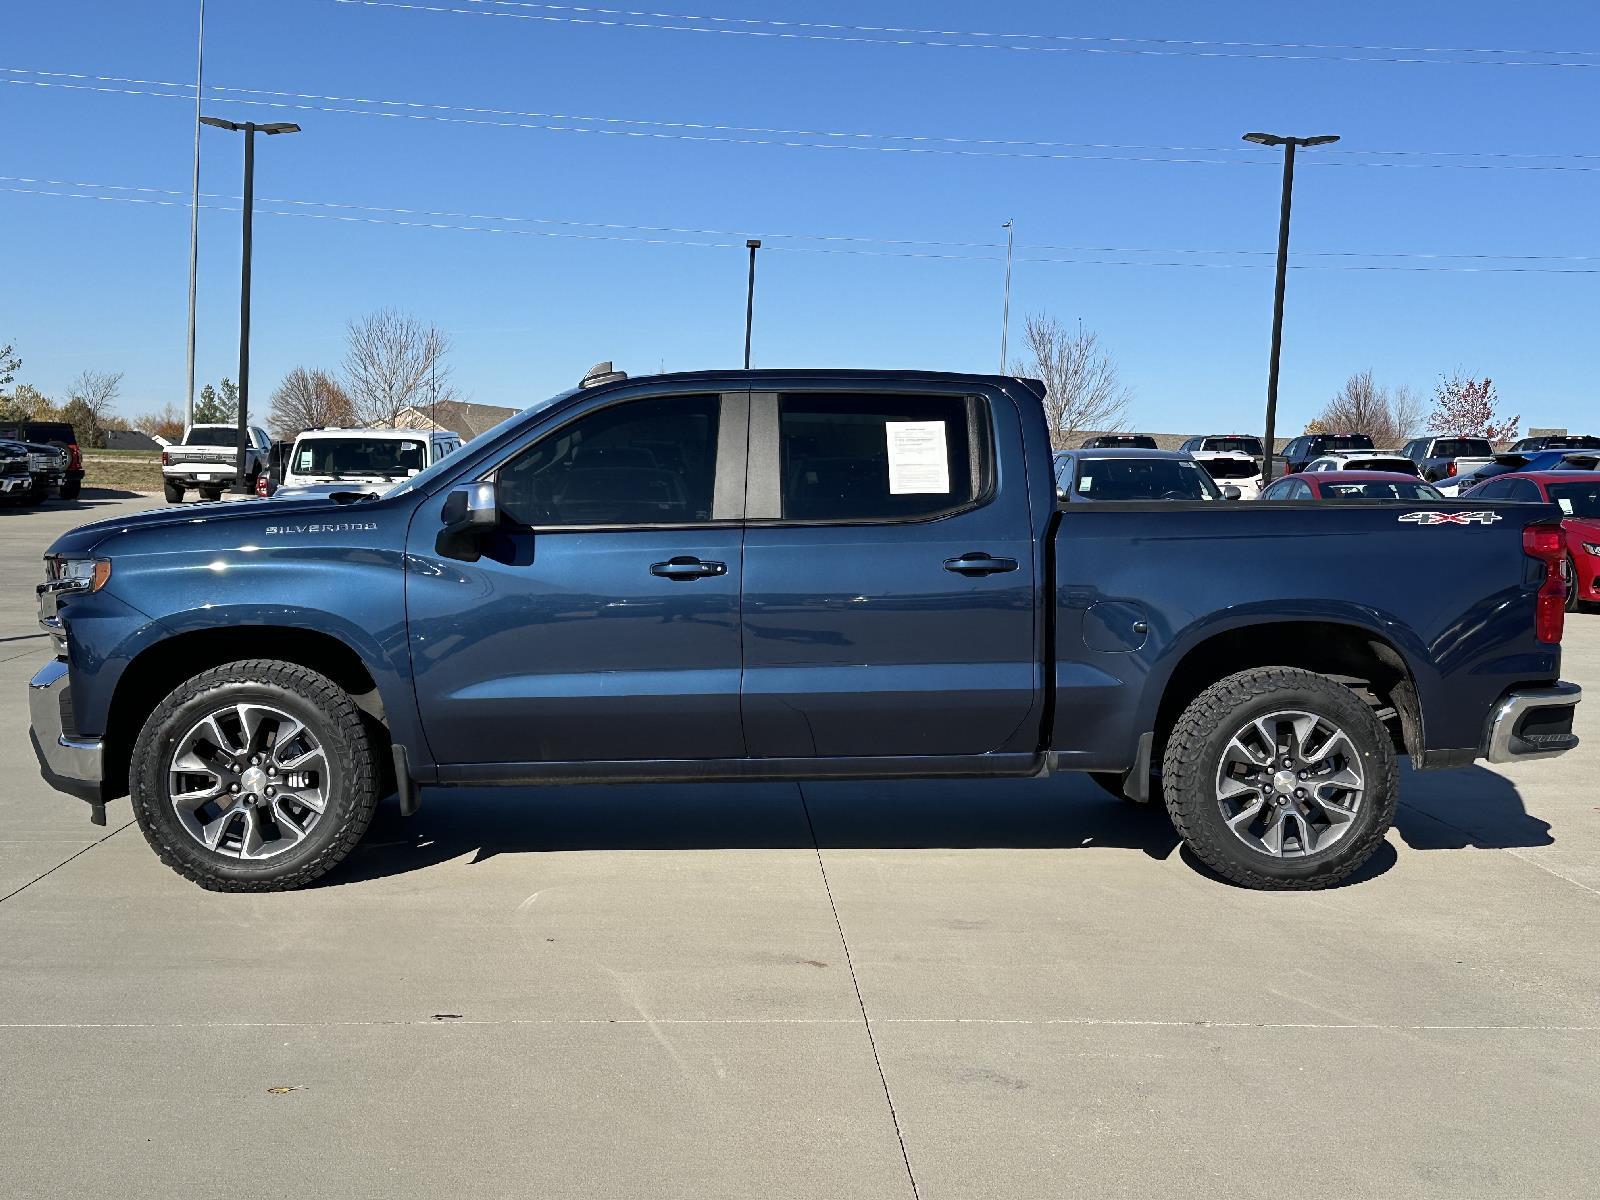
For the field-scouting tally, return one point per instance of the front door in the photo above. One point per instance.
(602, 622)
(889, 578)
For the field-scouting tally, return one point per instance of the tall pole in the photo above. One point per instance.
(1268, 443)
(239, 486)
(750, 299)
(194, 214)
(1005, 315)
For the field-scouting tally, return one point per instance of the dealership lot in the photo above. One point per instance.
(1007, 989)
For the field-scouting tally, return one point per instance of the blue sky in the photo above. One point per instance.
(101, 284)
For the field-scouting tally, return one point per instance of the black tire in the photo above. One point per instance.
(1194, 756)
(35, 496)
(174, 491)
(1574, 602)
(310, 697)
(211, 493)
(70, 490)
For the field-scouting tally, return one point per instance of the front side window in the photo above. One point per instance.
(358, 457)
(642, 462)
(877, 458)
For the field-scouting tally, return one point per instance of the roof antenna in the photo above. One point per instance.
(601, 372)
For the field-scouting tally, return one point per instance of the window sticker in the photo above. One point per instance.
(1085, 482)
(1566, 505)
(305, 462)
(919, 458)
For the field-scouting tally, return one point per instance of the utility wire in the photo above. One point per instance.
(1051, 37)
(648, 129)
(156, 201)
(630, 20)
(742, 234)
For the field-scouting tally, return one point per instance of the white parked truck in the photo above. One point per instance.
(207, 459)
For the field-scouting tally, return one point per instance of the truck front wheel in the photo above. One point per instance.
(254, 776)
(1280, 778)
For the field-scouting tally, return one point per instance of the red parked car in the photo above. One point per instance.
(1577, 494)
(1350, 485)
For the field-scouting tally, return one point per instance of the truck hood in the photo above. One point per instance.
(84, 539)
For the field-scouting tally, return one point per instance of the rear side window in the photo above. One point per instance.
(878, 458)
(1462, 448)
(643, 462)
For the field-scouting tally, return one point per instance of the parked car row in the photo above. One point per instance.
(46, 454)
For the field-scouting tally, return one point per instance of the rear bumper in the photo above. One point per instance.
(68, 763)
(1533, 723)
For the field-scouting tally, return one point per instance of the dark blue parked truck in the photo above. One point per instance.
(798, 575)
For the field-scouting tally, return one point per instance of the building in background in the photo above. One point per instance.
(465, 418)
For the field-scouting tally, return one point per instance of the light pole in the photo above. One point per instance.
(1289, 145)
(1005, 315)
(752, 245)
(194, 212)
(249, 129)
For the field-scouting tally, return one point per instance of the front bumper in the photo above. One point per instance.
(68, 763)
(1533, 723)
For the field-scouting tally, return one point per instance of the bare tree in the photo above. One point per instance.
(98, 390)
(394, 361)
(308, 400)
(166, 423)
(1082, 387)
(1363, 406)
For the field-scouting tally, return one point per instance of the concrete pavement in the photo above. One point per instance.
(940, 990)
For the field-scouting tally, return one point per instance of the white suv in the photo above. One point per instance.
(325, 457)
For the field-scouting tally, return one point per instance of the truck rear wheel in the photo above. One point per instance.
(174, 491)
(1281, 778)
(256, 776)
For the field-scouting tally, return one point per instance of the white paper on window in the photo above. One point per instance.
(919, 458)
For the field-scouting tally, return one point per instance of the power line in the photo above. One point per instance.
(614, 19)
(649, 129)
(153, 197)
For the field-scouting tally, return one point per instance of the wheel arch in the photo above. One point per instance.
(160, 667)
(1349, 650)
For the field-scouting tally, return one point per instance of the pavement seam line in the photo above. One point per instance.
(65, 861)
(866, 1022)
(1511, 850)
(1083, 1022)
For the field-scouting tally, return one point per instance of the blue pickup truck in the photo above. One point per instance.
(798, 575)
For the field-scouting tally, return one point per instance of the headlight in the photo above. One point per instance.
(1592, 548)
(77, 574)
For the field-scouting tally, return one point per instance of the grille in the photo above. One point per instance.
(14, 466)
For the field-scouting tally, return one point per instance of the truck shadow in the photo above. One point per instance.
(1439, 810)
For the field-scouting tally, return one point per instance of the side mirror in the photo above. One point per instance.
(469, 512)
(1230, 492)
(1061, 494)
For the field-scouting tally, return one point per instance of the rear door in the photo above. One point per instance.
(889, 577)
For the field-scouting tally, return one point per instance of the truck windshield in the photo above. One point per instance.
(221, 436)
(1230, 468)
(1234, 445)
(1577, 499)
(1143, 479)
(358, 457)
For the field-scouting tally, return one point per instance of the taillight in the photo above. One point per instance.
(165, 461)
(1547, 544)
(261, 485)
(74, 457)
(1450, 468)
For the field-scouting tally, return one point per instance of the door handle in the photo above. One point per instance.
(978, 563)
(686, 567)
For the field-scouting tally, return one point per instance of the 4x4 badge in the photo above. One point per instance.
(1450, 518)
